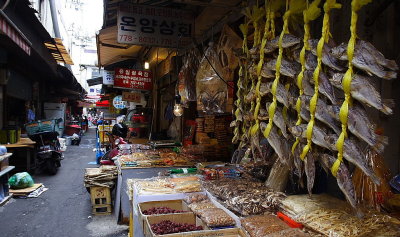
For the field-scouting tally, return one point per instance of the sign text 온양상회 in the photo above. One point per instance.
(154, 26)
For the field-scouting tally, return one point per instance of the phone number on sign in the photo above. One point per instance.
(147, 40)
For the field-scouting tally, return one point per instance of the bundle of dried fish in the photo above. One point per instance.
(333, 217)
(327, 58)
(105, 176)
(288, 68)
(360, 125)
(305, 77)
(364, 91)
(247, 198)
(282, 95)
(369, 59)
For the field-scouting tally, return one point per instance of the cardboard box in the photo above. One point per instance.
(173, 204)
(189, 218)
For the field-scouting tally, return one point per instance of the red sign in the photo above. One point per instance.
(132, 97)
(9, 29)
(133, 79)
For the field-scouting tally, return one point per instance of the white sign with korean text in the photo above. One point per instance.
(118, 102)
(108, 77)
(155, 26)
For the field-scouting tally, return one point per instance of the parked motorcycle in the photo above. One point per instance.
(44, 133)
(49, 154)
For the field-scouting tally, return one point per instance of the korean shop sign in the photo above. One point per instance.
(154, 26)
(132, 97)
(133, 79)
(108, 77)
(118, 102)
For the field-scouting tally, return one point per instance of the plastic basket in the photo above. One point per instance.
(40, 126)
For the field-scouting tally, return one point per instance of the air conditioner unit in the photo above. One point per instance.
(4, 76)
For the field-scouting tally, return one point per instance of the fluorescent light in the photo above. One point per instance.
(146, 65)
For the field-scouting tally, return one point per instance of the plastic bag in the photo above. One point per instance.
(367, 193)
(187, 76)
(196, 207)
(20, 180)
(261, 226)
(212, 92)
(216, 217)
(196, 198)
(289, 232)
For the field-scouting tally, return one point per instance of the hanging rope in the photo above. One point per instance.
(256, 126)
(329, 4)
(346, 83)
(239, 93)
(311, 13)
(292, 8)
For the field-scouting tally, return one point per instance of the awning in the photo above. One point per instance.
(95, 81)
(109, 51)
(7, 27)
(58, 51)
(71, 85)
(84, 104)
(103, 103)
(210, 16)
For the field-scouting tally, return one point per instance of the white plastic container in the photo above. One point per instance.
(68, 141)
(63, 144)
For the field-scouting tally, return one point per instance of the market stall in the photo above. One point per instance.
(136, 161)
(295, 105)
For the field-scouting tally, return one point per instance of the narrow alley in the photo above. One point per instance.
(64, 209)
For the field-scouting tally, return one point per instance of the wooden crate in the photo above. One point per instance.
(189, 218)
(101, 210)
(100, 195)
(173, 204)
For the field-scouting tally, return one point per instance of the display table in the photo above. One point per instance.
(122, 205)
(23, 149)
(23, 142)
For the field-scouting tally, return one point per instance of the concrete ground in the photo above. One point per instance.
(63, 210)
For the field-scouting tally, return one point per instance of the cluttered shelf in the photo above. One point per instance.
(23, 142)
(6, 170)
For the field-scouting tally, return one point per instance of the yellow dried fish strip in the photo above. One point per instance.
(329, 4)
(293, 8)
(311, 13)
(344, 109)
(256, 126)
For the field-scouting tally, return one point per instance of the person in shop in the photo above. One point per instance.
(120, 129)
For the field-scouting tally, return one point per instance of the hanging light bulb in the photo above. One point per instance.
(146, 65)
(178, 110)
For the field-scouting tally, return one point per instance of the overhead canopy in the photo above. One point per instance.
(209, 15)
(95, 81)
(58, 51)
(8, 28)
(70, 84)
(109, 51)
